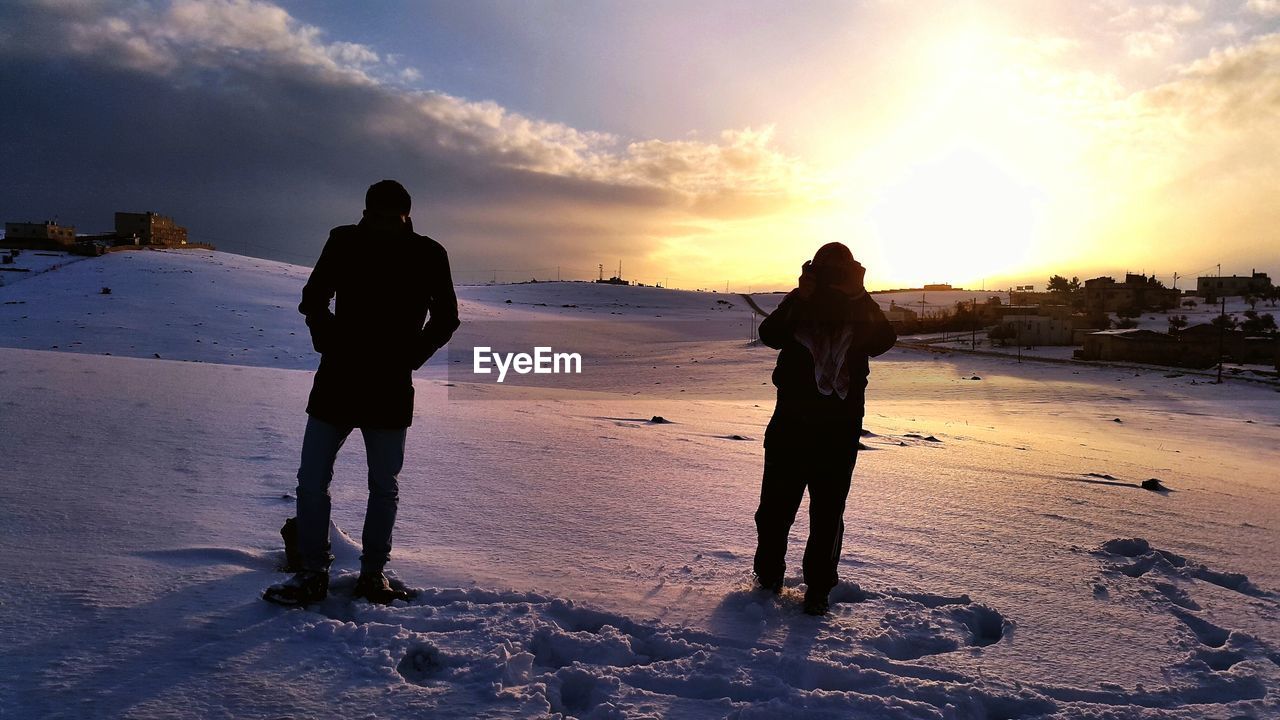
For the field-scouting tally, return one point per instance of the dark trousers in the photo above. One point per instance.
(826, 472)
(384, 451)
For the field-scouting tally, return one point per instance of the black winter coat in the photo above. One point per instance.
(386, 283)
(803, 416)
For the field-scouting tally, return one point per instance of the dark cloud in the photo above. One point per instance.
(251, 130)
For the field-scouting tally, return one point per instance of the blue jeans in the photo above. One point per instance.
(384, 451)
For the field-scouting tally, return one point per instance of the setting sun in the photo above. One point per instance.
(957, 219)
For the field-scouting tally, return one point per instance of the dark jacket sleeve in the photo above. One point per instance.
(876, 335)
(316, 294)
(443, 311)
(779, 326)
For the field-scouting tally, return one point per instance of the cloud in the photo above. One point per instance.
(237, 105)
(1194, 162)
(257, 38)
(1151, 43)
(1265, 8)
(1233, 89)
(1152, 31)
(1183, 14)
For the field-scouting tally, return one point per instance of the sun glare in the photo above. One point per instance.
(957, 218)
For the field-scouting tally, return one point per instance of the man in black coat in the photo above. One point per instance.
(825, 330)
(385, 281)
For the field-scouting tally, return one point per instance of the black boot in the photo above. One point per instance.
(816, 603)
(292, 556)
(373, 586)
(304, 588)
(771, 585)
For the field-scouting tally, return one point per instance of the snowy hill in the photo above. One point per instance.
(576, 559)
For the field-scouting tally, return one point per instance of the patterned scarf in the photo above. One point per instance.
(826, 334)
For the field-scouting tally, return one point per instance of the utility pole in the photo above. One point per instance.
(1175, 281)
(973, 323)
(601, 272)
(1222, 332)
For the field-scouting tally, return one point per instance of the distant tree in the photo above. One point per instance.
(1002, 334)
(1126, 323)
(1252, 299)
(1258, 323)
(965, 317)
(1224, 321)
(1190, 304)
(1153, 282)
(1273, 294)
(1099, 320)
(1075, 286)
(1059, 284)
(1176, 323)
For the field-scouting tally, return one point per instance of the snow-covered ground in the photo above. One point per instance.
(25, 264)
(576, 558)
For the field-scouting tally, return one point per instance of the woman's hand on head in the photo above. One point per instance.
(808, 281)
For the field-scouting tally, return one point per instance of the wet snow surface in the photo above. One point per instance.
(577, 558)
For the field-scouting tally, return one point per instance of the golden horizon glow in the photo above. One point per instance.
(1006, 162)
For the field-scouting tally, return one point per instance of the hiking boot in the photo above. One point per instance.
(373, 586)
(772, 585)
(292, 555)
(304, 588)
(816, 603)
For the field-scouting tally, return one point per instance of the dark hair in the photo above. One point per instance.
(388, 196)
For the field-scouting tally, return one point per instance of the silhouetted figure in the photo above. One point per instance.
(826, 329)
(387, 280)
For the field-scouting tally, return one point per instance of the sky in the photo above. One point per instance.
(702, 145)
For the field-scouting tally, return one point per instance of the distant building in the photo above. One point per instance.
(898, 314)
(1002, 312)
(150, 229)
(1031, 297)
(1104, 294)
(938, 287)
(1146, 346)
(1233, 284)
(1196, 347)
(1237, 345)
(1039, 329)
(47, 235)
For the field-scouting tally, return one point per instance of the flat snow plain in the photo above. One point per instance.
(577, 559)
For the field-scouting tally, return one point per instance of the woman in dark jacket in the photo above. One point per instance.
(825, 330)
